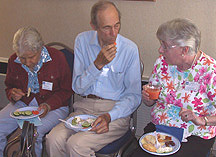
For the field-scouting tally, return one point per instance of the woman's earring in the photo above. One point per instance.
(182, 55)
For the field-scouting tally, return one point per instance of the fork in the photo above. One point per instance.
(66, 122)
(157, 143)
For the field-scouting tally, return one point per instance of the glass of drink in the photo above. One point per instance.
(153, 90)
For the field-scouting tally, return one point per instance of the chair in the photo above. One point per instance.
(69, 55)
(114, 148)
(119, 146)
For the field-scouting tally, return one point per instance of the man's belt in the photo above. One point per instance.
(91, 96)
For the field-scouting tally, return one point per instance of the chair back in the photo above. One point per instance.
(68, 52)
(69, 55)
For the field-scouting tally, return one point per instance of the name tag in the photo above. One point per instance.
(192, 86)
(47, 85)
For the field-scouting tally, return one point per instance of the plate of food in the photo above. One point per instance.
(26, 113)
(167, 145)
(81, 122)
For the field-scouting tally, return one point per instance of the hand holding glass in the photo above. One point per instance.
(153, 91)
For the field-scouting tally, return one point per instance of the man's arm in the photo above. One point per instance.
(84, 76)
(128, 102)
(131, 98)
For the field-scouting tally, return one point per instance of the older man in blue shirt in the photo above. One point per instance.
(107, 74)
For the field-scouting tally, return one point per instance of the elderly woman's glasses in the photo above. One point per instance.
(166, 47)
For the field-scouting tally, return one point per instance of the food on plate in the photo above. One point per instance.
(150, 147)
(25, 113)
(74, 121)
(166, 143)
(35, 112)
(28, 113)
(163, 138)
(16, 113)
(149, 142)
(164, 149)
(83, 122)
(150, 139)
(169, 143)
(22, 113)
(86, 124)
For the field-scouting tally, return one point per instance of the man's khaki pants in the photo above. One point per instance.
(62, 142)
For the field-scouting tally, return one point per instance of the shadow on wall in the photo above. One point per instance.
(3, 98)
(3, 68)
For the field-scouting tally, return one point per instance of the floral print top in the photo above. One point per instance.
(192, 89)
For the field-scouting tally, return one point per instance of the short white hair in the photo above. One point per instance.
(181, 32)
(27, 39)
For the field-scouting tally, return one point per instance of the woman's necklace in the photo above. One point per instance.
(183, 85)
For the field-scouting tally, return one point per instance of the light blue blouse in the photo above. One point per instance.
(32, 75)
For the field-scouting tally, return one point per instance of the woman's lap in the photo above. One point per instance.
(9, 124)
(195, 146)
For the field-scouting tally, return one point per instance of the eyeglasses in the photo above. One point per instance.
(167, 47)
(107, 29)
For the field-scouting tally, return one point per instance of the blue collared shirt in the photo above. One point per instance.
(32, 75)
(120, 80)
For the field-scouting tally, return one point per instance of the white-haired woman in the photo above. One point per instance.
(186, 104)
(37, 76)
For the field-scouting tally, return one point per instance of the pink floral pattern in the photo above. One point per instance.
(177, 91)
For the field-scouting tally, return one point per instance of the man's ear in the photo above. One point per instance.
(93, 26)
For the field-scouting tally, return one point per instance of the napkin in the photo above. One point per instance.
(174, 131)
(36, 121)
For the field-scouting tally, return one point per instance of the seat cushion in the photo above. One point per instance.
(117, 144)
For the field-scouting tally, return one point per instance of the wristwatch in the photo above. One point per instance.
(206, 120)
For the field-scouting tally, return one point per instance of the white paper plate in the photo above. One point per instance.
(174, 139)
(26, 109)
(79, 126)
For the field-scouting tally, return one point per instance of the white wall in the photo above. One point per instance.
(62, 20)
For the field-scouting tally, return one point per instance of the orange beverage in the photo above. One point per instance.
(153, 91)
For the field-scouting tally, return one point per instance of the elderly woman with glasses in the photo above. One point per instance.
(185, 107)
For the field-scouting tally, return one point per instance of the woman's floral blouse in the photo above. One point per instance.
(193, 89)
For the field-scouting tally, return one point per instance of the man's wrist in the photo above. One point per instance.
(108, 117)
(98, 66)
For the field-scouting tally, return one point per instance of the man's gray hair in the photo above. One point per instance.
(101, 5)
(27, 39)
(181, 32)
